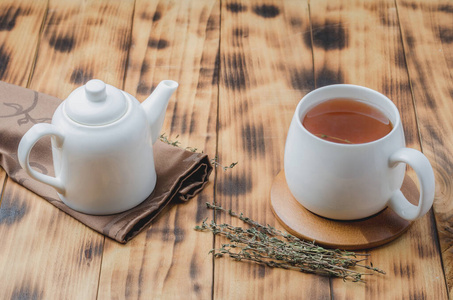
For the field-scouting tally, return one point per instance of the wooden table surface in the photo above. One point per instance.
(242, 67)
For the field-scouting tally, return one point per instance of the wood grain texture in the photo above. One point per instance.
(270, 55)
(47, 253)
(175, 40)
(266, 68)
(20, 24)
(427, 29)
(359, 42)
(82, 41)
(2, 183)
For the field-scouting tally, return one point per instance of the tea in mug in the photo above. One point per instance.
(347, 121)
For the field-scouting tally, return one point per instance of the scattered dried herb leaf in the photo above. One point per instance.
(266, 245)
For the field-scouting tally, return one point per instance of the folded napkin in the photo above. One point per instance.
(180, 174)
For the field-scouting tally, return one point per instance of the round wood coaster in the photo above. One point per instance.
(348, 235)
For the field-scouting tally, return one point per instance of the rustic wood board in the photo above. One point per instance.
(266, 68)
(20, 24)
(359, 42)
(427, 30)
(49, 254)
(263, 67)
(82, 41)
(170, 260)
(2, 182)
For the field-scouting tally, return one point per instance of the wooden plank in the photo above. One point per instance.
(82, 41)
(2, 182)
(179, 41)
(20, 24)
(359, 42)
(47, 253)
(266, 68)
(427, 29)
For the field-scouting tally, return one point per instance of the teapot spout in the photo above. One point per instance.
(156, 105)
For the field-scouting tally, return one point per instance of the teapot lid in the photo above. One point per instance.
(96, 103)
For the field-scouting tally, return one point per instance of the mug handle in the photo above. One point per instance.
(425, 174)
(26, 144)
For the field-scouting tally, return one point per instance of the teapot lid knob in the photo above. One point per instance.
(96, 103)
(95, 90)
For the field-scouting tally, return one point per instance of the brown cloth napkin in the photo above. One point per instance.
(180, 174)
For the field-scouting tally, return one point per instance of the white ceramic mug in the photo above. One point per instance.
(347, 182)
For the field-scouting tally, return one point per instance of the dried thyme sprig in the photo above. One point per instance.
(175, 143)
(215, 161)
(264, 244)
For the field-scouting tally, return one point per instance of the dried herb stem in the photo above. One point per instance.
(175, 143)
(266, 245)
(215, 161)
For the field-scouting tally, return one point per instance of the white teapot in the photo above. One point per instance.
(102, 151)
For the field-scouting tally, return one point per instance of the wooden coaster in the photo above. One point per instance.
(348, 235)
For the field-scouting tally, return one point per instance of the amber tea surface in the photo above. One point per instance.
(347, 121)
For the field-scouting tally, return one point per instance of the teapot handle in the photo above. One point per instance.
(26, 144)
